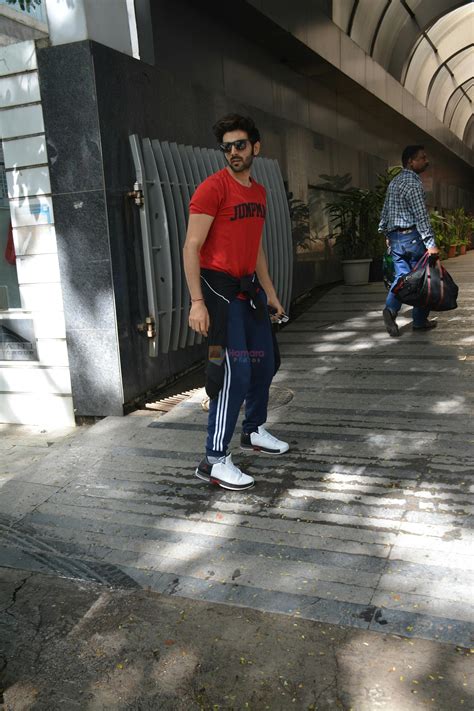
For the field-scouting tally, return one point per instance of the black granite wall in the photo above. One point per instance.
(88, 121)
(80, 212)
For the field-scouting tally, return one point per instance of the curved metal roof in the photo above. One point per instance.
(427, 45)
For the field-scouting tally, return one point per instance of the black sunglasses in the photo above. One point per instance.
(240, 144)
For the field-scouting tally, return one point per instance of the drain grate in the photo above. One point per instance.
(278, 396)
(167, 403)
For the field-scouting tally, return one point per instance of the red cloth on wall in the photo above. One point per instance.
(10, 255)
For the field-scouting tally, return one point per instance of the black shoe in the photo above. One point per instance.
(390, 323)
(426, 326)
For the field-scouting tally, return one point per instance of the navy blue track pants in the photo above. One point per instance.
(249, 369)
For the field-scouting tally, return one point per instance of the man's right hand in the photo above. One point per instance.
(199, 317)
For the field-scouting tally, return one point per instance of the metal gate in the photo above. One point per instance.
(167, 175)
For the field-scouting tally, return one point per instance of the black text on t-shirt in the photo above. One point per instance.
(248, 209)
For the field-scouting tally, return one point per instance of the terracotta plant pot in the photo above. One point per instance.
(451, 251)
(462, 249)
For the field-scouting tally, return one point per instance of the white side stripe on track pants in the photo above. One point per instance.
(222, 405)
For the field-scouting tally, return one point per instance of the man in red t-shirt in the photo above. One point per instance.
(227, 274)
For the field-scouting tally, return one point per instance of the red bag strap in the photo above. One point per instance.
(428, 277)
(440, 268)
(422, 261)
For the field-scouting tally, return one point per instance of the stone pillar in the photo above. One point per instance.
(78, 194)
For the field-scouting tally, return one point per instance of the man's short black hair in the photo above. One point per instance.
(410, 152)
(236, 122)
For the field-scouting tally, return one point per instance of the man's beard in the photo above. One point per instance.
(242, 164)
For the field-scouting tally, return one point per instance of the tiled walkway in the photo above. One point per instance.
(367, 522)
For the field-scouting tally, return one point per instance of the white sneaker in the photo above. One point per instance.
(225, 474)
(263, 441)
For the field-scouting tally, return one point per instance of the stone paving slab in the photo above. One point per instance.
(368, 522)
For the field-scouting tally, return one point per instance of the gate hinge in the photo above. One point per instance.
(137, 194)
(147, 327)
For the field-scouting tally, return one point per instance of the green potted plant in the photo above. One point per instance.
(440, 227)
(379, 246)
(354, 217)
(463, 246)
(300, 227)
(463, 225)
(457, 230)
(470, 235)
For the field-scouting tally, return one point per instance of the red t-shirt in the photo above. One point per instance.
(239, 214)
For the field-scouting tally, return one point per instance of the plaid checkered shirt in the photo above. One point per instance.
(404, 206)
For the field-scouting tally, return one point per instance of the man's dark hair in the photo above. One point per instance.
(410, 152)
(235, 122)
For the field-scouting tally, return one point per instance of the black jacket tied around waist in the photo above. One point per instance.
(219, 289)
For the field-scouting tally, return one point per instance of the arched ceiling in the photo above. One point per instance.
(427, 45)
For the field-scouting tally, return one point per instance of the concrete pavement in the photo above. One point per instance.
(75, 645)
(365, 524)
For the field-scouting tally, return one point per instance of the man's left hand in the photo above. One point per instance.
(279, 310)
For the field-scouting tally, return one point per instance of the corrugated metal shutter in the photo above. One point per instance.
(168, 174)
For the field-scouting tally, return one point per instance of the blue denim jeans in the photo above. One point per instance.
(406, 249)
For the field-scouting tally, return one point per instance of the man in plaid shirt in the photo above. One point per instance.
(406, 224)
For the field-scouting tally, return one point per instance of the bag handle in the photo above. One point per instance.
(439, 267)
(422, 261)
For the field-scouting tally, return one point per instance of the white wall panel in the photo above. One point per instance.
(42, 297)
(52, 351)
(17, 58)
(35, 239)
(22, 121)
(49, 325)
(36, 408)
(31, 211)
(19, 89)
(38, 269)
(32, 392)
(90, 19)
(28, 182)
(25, 151)
(31, 379)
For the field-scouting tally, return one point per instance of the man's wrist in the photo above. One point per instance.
(271, 294)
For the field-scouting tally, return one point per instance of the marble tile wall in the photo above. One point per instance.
(32, 391)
